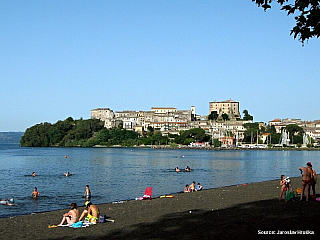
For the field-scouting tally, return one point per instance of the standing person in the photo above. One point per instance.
(91, 211)
(72, 216)
(87, 193)
(306, 180)
(283, 187)
(35, 193)
(313, 180)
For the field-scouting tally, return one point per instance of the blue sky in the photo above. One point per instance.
(64, 58)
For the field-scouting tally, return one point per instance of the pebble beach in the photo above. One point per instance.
(247, 211)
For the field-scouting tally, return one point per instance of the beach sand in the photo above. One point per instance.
(235, 212)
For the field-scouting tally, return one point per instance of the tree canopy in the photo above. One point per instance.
(307, 16)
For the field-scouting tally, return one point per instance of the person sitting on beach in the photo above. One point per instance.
(199, 187)
(35, 193)
(192, 186)
(188, 169)
(91, 212)
(177, 169)
(186, 189)
(72, 216)
(33, 174)
(306, 179)
(283, 187)
(87, 193)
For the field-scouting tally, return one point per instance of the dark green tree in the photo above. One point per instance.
(247, 116)
(306, 14)
(213, 115)
(225, 117)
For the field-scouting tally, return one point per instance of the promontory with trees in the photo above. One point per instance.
(91, 132)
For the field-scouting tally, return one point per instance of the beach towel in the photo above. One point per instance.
(147, 193)
(77, 224)
(289, 195)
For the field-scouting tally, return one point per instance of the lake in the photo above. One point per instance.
(116, 174)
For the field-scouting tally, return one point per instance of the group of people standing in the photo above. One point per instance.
(309, 180)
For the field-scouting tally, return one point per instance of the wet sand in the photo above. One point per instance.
(235, 212)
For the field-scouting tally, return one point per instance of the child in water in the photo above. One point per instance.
(283, 186)
(87, 193)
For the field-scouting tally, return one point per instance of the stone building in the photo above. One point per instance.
(229, 107)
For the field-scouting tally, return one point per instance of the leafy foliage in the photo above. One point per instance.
(247, 116)
(307, 16)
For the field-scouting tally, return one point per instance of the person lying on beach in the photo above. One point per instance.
(91, 212)
(87, 192)
(186, 189)
(177, 169)
(199, 187)
(283, 187)
(35, 193)
(70, 217)
(306, 180)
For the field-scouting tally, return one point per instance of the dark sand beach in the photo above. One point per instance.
(235, 212)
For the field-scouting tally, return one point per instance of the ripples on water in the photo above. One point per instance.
(123, 173)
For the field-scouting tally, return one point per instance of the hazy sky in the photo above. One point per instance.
(64, 58)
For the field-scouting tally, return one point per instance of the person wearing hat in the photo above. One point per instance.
(306, 180)
(91, 212)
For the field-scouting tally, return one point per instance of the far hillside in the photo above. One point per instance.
(10, 137)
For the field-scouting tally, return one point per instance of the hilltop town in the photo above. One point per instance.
(223, 122)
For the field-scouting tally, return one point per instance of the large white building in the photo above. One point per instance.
(229, 107)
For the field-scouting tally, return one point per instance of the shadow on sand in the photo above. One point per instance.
(244, 221)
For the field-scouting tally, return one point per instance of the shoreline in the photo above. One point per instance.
(237, 211)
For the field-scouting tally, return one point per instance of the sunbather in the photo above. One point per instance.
(72, 216)
(91, 212)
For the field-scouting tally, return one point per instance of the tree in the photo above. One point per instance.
(213, 115)
(225, 117)
(307, 16)
(247, 116)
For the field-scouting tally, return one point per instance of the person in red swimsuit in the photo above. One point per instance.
(306, 178)
(283, 187)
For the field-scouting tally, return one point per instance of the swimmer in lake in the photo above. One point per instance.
(87, 192)
(177, 169)
(33, 174)
(67, 174)
(188, 169)
(35, 193)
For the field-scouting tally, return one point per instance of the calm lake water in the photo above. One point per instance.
(115, 174)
